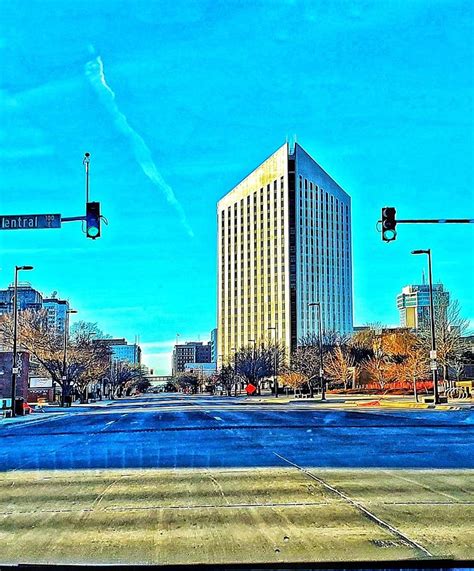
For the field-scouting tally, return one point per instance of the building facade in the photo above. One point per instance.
(413, 304)
(284, 241)
(214, 346)
(56, 312)
(21, 387)
(201, 369)
(122, 351)
(190, 352)
(28, 298)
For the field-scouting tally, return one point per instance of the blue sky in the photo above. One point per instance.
(177, 101)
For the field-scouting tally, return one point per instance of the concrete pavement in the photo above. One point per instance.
(182, 479)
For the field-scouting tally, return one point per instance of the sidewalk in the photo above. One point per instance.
(352, 401)
(32, 418)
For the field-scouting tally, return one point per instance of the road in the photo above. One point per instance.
(180, 431)
(174, 479)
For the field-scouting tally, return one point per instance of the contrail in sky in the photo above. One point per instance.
(94, 70)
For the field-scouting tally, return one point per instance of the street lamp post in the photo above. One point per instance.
(322, 382)
(434, 368)
(66, 335)
(275, 381)
(15, 331)
(254, 341)
(234, 349)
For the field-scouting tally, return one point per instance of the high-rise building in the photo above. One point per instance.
(28, 298)
(413, 304)
(56, 310)
(214, 346)
(190, 352)
(284, 241)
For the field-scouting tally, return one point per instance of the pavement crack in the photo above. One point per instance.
(424, 486)
(360, 507)
(218, 486)
(100, 496)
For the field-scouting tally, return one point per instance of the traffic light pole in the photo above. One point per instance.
(49, 221)
(389, 222)
(437, 221)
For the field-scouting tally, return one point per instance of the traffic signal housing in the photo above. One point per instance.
(93, 220)
(388, 224)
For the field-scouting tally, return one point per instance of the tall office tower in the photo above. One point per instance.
(413, 304)
(284, 241)
(56, 310)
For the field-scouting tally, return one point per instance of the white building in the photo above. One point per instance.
(284, 241)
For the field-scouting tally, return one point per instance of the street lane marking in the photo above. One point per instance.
(359, 506)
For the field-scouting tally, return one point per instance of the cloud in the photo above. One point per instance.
(94, 71)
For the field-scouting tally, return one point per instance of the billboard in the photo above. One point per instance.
(41, 383)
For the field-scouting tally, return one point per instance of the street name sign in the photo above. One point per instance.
(30, 221)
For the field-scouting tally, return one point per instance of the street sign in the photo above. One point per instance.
(434, 365)
(30, 221)
(250, 389)
(433, 354)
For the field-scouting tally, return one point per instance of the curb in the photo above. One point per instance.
(418, 405)
(8, 422)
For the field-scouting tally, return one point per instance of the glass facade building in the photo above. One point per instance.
(284, 241)
(413, 304)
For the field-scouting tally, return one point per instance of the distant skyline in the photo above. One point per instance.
(178, 102)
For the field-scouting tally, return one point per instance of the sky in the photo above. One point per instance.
(177, 101)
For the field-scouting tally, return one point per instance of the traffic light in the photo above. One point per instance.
(388, 224)
(93, 220)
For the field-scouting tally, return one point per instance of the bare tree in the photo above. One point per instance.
(87, 360)
(188, 382)
(450, 329)
(340, 365)
(42, 342)
(380, 368)
(306, 361)
(254, 364)
(294, 380)
(127, 378)
(225, 378)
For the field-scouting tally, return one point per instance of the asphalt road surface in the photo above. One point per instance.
(180, 431)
